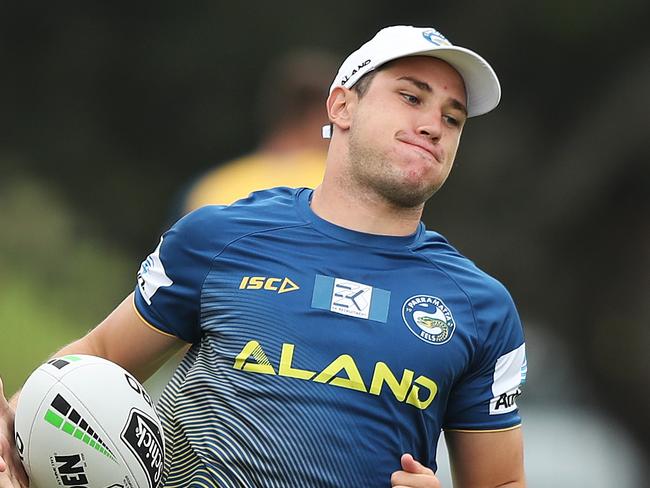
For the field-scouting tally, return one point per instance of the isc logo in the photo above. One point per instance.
(279, 285)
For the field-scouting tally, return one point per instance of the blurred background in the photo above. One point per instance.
(110, 110)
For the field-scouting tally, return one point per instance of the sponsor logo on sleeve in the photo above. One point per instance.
(505, 402)
(152, 275)
(509, 375)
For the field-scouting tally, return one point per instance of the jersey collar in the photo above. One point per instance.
(303, 197)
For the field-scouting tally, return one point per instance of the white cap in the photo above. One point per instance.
(481, 83)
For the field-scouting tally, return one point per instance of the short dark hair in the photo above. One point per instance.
(361, 86)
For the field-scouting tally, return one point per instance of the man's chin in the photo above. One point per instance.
(406, 196)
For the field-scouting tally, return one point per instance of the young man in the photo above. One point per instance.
(333, 337)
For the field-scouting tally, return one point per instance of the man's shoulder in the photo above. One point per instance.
(490, 301)
(263, 206)
(477, 283)
(265, 209)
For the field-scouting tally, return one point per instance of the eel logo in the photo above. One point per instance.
(429, 319)
(435, 37)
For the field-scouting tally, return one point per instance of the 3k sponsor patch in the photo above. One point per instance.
(350, 298)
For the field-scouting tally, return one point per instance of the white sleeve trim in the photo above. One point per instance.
(152, 275)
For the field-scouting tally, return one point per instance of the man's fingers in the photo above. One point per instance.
(4, 404)
(410, 465)
(9, 481)
(402, 479)
(14, 477)
(12, 474)
(11, 468)
(413, 475)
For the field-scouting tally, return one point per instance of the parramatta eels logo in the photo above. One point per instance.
(435, 37)
(429, 319)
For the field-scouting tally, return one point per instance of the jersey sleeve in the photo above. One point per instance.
(485, 397)
(168, 292)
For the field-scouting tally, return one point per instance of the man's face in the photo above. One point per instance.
(405, 130)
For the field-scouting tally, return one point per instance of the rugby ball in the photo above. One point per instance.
(85, 422)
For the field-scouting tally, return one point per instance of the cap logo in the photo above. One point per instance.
(435, 37)
(346, 78)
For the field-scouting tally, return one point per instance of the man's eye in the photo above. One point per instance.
(412, 99)
(451, 120)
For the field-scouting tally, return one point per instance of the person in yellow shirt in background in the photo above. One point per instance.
(292, 151)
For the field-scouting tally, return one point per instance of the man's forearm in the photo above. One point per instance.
(73, 348)
(509, 484)
(13, 401)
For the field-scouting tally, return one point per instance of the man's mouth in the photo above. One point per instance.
(430, 150)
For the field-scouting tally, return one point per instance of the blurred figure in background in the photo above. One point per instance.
(292, 151)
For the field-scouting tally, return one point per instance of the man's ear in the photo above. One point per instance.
(340, 106)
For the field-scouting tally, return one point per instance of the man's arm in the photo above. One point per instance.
(124, 338)
(486, 459)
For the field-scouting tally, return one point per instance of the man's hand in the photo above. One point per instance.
(12, 474)
(413, 475)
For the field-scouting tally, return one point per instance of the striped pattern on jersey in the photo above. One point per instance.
(228, 428)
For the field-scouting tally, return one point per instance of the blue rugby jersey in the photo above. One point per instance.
(320, 354)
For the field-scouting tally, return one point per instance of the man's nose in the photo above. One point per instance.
(431, 128)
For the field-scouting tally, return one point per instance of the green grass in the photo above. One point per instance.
(57, 280)
(30, 332)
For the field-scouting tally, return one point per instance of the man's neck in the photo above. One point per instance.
(363, 211)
